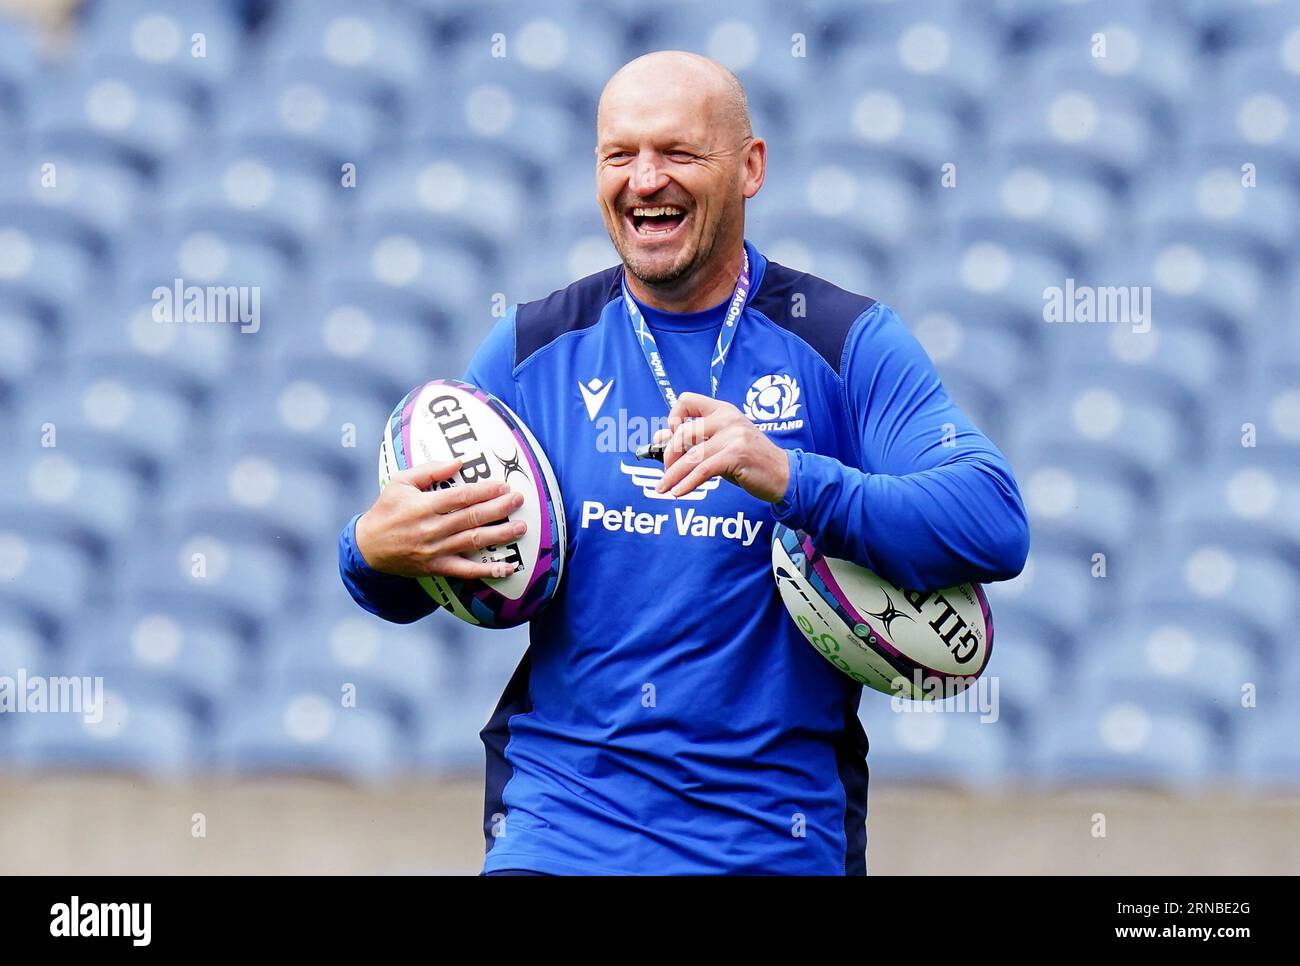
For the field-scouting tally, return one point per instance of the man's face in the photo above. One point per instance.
(668, 180)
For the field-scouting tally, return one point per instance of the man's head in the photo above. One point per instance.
(675, 160)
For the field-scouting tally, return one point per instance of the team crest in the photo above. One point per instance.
(772, 403)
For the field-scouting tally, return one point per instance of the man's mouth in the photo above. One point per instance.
(656, 221)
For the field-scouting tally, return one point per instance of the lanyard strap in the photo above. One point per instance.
(650, 348)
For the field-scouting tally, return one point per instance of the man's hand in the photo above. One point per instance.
(708, 438)
(414, 533)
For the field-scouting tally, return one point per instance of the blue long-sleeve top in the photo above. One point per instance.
(669, 716)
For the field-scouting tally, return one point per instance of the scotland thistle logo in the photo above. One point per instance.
(772, 403)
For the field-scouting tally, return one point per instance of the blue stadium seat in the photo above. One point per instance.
(979, 279)
(946, 747)
(448, 742)
(1256, 589)
(1055, 591)
(251, 195)
(297, 729)
(376, 50)
(1248, 119)
(41, 272)
(1119, 742)
(19, 56)
(1066, 213)
(1209, 207)
(154, 739)
(1076, 503)
(300, 122)
(1071, 128)
(23, 642)
(44, 577)
(1269, 751)
(111, 114)
(89, 502)
(151, 654)
(470, 195)
(397, 274)
(243, 582)
(394, 669)
(240, 281)
(128, 342)
(26, 347)
(831, 248)
(893, 120)
(85, 201)
(257, 498)
(157, 41)
(331, 425)
(1248, 499)
(1103, 419)
(347, 336)
(1169, 667)
(578, 45)
(526, 118)
(1029, 672)
(93, 415)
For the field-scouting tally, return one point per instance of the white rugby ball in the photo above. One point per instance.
(918, 644)
(445, 420)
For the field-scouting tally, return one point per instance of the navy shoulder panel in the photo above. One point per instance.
(539, 323)
(827, 312)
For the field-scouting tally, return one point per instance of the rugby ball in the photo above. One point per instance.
(444, 420)
(917, 644)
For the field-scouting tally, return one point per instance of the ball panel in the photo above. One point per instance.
(446, 419)
(892, 633)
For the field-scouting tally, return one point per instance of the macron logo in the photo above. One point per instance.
(593, 394)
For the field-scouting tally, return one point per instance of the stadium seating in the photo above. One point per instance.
(388, 174)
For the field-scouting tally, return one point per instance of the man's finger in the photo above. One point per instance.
(480, 537)
(692, 432)
(688, 406)
(422, 477)
(688, 461)
(460, 497)
(458, 566)
(715, 465)
(481, 514)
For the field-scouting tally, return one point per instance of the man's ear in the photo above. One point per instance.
(755, 167)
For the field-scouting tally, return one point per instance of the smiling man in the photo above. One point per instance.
(668, 716)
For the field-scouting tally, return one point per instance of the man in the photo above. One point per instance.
(668, 716)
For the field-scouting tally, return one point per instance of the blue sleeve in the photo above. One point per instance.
(392, 597)
(932, 502)
(402, 599)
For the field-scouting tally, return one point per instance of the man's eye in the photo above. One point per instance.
(681, 155)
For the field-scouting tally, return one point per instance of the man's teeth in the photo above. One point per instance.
(655, 212)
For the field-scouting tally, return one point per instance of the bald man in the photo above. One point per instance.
(668, 717)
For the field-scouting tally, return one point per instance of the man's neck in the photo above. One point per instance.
(701, 290)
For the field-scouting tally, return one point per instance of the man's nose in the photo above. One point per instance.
(647, 176)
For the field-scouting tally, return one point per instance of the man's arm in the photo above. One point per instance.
(401, 599)
(934, 502)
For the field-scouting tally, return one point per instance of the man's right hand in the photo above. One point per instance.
(415, 533)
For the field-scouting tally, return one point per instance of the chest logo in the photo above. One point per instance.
(594, 393)
(772, 403)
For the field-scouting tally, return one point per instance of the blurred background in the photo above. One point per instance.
(389, 176)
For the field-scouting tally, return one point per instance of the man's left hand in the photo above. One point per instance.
(707, 437)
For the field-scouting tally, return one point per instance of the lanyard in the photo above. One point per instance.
(650, 349)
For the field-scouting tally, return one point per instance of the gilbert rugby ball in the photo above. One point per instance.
(444, 420)
(916, 644)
